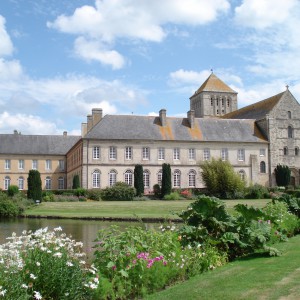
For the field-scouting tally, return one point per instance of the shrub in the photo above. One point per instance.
(7, 207)
(172, 196)
(80, 192)
(48, 196)
(139, 180)
(292, 202)
(257, 191)
(76, 182)
(166, 183)
(282, 175)
(12, 190)
(157, 191)
(94, 195)
(34, 185)
(119, 192)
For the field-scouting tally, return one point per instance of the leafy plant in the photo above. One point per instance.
(157, 190)
(172, 196)
(282, 175)
(94, 195)
(12, 190)
(120, 192)
(34, 185)
(256, 191)
(7, 207)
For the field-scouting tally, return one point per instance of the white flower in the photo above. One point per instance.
(24, 286)
(69, 264)
(58, 228)
(38, 263)
(93, 286)
(37, 295)
(32, 276)
(57, 254)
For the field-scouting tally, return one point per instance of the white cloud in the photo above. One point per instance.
(10, 69)
(181, 76)
(6, 46)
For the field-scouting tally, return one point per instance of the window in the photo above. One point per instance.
(228, 102)
(96, 179)
(176, 178)
(112, 152)
(192, 178)
(262, 152)
(161, 153)
(146, 153)
(242, 175)
(262, 167)
(217, 101)
(146, 177)
(48, 183)
(61, 164)
(6, 182)
(224, 154)
(112, 177)
(21, 164)
(48, 164)
(21, 183)
(34, 164)
(192, 154)
(176, 154)
(289, 115)
(290, 131)
(222, 101)
(296, 151)
(211, 102)
(61, 183)
(285, 151)
(241, 154)
(96, 152)
(128, 177)
(206, 154)
(128, 153)
(7, 164)
(159, 177)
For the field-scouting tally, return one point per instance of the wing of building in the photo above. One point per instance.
(254, 139)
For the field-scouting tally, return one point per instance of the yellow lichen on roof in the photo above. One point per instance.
(166, 131)
(195, 132)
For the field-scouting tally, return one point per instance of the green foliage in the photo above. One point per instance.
(166, 183)
(34, 185)
(12, 190)
(7, 207)
(282, 175)
(157, 191)
(257, 191)
(292, 202)
(76, 182)
(94, 194)
(80, 192)
(139, 180)
(119, 192)
(221, 179)
(172, 196)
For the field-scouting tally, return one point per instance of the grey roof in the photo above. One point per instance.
(130, 127)
(36, 144)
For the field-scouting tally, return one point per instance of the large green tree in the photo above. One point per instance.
(282, 175)
(166, 182)
(139, 180)
(34, 185)
(76, 182)
(220, 179)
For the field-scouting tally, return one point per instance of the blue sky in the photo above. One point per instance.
(61, 58)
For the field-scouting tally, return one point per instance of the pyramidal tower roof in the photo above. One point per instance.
(214, 84)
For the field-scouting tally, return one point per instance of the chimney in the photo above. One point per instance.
(163, 117)
(89, 122)
(97, 115)
(15, 131)
(65, 133)
(83, 129)
(191, 117)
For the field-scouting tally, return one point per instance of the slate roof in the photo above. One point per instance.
(36, 144)
(255, 111)
(214, 84)
(130, 127)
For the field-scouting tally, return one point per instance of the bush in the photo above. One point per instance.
(34, 185)
(80, 192)
(166, 183)
(257, 191)
(12, 190)
(94, 195)
(282, 175)
(157, 191)
(48, 196)
(7, 207)
(172, 196)
(119, 192)
(139, 180)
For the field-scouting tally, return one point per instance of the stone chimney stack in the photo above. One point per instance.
(163, 117)
(97, 115)
(65, 133)
(191, 117)
(83, 129)
(89, 119)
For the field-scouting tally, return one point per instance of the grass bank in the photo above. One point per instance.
(122, 209)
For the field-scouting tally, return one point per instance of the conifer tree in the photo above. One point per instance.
(76, 182)
(282, 175)
(166, 183)
(34, 185)
(138, 180)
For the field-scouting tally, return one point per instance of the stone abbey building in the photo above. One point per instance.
(254, 139)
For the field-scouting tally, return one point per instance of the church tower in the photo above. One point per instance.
(214, 98)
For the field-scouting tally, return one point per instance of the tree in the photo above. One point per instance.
(76, 182)
(166, 183)
(282, 175)
(139, 180)
(34, 185)
(220, 179)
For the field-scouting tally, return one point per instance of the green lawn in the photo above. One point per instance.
(263, 278)
(122, 209)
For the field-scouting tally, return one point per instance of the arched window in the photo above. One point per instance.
(128, 177)
(96, 179)
(285, 151)
(289, 115)
(296, 151)
(112, 177)
(61, 183)
(48, 183)
(176, 178)
(290, 132)
(242, 174)
(6, 182)
(146, 178)
(21, 183)
(192, 178)
(262, 167)
(159, 177)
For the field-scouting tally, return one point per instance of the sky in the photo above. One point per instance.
(61, 58)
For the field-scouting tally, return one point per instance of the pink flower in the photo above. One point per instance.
(165, 263)
(113, 267)
(134, 261)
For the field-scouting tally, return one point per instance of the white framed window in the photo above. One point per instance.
(176, 153)
(128, 177)
(21, 183)
(96, 152)
(34, 164)
(192, 154)
(161, 153)
(176, 178)
(6, 182)
(159, 177)
(21, 164)
(48, 183)
(262, 152)
(61, 164)
(224, 154)
(48, 164)
(241, 155)
(112, 152)
(242, 174)
(206, 154)
(128, 153)
(61, 183)
(7, 164)
(146, 153)
(112, 177)
(192, 178)
(146, 177)
(96, 179)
